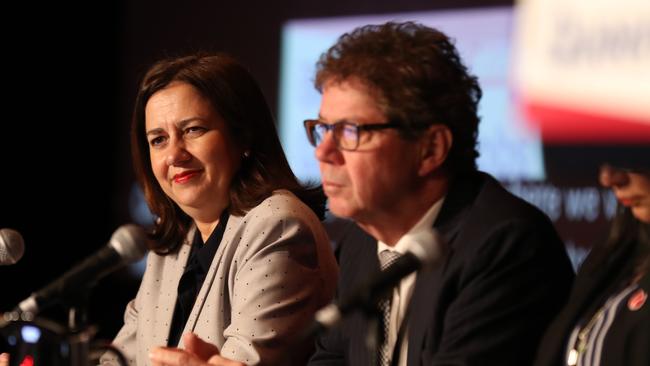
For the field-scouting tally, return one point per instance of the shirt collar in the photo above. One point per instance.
(427, 220)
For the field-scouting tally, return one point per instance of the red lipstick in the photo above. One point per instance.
(185, 176)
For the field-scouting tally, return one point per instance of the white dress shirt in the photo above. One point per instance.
(402, 293)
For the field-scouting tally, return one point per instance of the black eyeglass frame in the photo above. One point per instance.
(311, 124)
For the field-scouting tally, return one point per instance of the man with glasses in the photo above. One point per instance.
(396, 143)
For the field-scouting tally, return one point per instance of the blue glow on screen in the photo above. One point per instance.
(510, 149)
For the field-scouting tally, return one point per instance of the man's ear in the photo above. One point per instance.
(435, 144)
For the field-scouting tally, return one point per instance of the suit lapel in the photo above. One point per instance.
(169, 289)
(423, 309)
(233, 223)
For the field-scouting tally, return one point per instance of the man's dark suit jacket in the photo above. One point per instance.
(604, 273)
(505, 277)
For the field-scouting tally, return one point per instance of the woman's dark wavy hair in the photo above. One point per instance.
(628, 229)
(418, 79)
(237, 98)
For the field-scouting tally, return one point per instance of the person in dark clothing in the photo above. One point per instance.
(396, 143)
(607, 319)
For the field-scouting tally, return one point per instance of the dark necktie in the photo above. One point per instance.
(386, 258)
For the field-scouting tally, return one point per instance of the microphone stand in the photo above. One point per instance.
(80, 333)
(82, 350)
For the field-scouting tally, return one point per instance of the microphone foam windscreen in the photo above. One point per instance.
(130, 241)
(12, 246)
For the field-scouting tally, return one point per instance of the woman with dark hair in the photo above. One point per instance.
(240, 257)
(607, 319)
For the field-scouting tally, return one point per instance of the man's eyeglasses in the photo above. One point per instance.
(346, 134)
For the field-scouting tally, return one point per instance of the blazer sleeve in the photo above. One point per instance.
(506, 294)
(282, 273)
(129, 339)
(125, 341)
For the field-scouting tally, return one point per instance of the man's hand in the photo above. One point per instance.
(196, 353)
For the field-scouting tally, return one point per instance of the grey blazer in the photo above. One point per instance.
(274, 268)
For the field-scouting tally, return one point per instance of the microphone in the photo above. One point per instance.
(127, 245)
(12, 246)
(426, 250)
